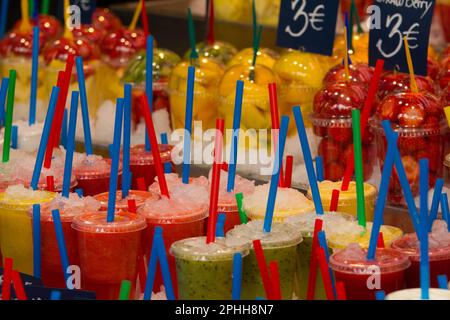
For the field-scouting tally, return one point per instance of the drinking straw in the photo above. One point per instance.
(84, 105)
(346, 56)
(191, 30)
(25, 24)
(144, 19)
(442, 281)
(334, 200)
(237, 276)
(312, 275)
(255, 53)
(321, 237)
(380, 242)
(149, 81)
(447, 114)
(125, 288)
(35, 11)
(276, 175)
(359, 174)
(132, 205)
(155, 150)
(235, 136)
(55, 295)
(37, 241)
(151, 269)
(3, 92)
(167, 165)
(356, 14)
(254, 22)
(45, 6)
(275, 120)
(242, 215)
(18, 286)
(215, 182)
(135, 18)
(220, 225)
(70, 144)
(188, 124)
(382, 190)
(3, 11)
(414, 88)
(67, 31)
(162, 256)
(9, 115)
(64, 130)
(141, 272)
(141, 184)
(126, 141)
(34, 76)
(424, 253)
(380, 295)
(275, 277)
(7, 278)
(14, 137)
(79, 192)
(44, 138)
(115, 160)
(50, 184)
(61, 243)
(288, 174)
(319, 168)
(262, 265)
(210, 38)
(435, 202)
(324, 270)
(308, 159)
(445, 211)
(340, 291)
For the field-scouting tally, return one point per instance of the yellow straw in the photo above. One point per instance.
(347, 71)
(410, 67)
(137, 12)
(447, 114)
(25, 25)
(67, 32)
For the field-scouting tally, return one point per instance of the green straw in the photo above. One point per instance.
(241, 211)
(45, 6)
(9, 115)
(255, 53)
(31, 7)
(255, 23)
(355, 13)
(191, 28)
(359, 175)
(125, 288)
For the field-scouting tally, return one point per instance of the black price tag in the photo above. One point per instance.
(390, 21)
(43, 293)
(308, 25)
(87, 8)
(27, 279)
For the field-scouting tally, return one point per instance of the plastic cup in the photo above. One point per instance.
(108, 251)
(16, 240)
(28, 136)
(416, 294)
(305, 223)
(447, 170)
(265, 56)
(347, 199)
(280, 245)
(204, 270)
(122, 204)
(221, 51)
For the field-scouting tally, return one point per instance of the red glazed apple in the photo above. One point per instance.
(19, 44)
(104, 19)
(89, 33)
(119, 46)
(433, 68)
(359, 72)
(444, 74)
(394, 82)
(50, 28)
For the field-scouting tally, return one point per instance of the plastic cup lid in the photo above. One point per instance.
(416, 294)
(94, 169)
(177, 216)
(124, 222)
(326, 188)
(408, 245)
(140, 156)
(139, 196)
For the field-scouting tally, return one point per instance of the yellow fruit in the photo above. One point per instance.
(266, 57)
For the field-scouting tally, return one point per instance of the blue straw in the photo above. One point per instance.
(64, 130)
(319, 168)
(323, 243)
(70, 144)
(276, 174)
(55, 295)
(442, 281)
(380, 295)
(220, 225)
(34, 76)
(149, 84)
(14, 136)
(435, 202)
(79, 192)
(237, 276)
(383, 191)
(235, 137)
(424, 258)
(348, 37)
(61, 243)
(167, 165)
(44, 138)
(260, 298)
(148, 147)
(3, 19)
(445, 210)
(115, 161)
(308, 159)
(162, 256)
(84, 106)
(126, 141)
(111, 150)
(35, 11)
(3, 92)
(188, 125)
(37, 241)
(151, 272)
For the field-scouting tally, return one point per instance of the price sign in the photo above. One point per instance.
(389, 22)
(308, 25)
(44, 293)
(27, 279)
(87, 8)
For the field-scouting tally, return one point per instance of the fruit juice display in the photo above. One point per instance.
(305, 224)
(447, 170)
(122, 204)
(300, 77)
(280, 245)
(351, 266)
(416, 294)
(347, 199)
(163, 63)
(16, 240)
(443, 7)
(394, 82)
(439, 254)
(205, 271)
(332, 127)
(289, 202)
(108, 251)
(51, 269)
(28, 137)
(419, 120)
(360, 51)
(208, 73)
(266, 57)
(358, 72)
(182, 216)
(220, 50)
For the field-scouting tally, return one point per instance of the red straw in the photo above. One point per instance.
(210, 37)
(259, 253)
(224, 166)
(340, 291)
(132, 206)
(215, 182)
(50, 184)
(324, 270)
(334, 200)
(141, 184)
(275, 277)
(155, 150)
(288, 173)
(7, 278)
(18, 286)
(365, 114)
(144, 19)
(380, 240)
(312, 276)
(275, 122)
(142, 274)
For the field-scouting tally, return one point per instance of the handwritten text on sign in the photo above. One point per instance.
(390, 21)
(308, 25)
